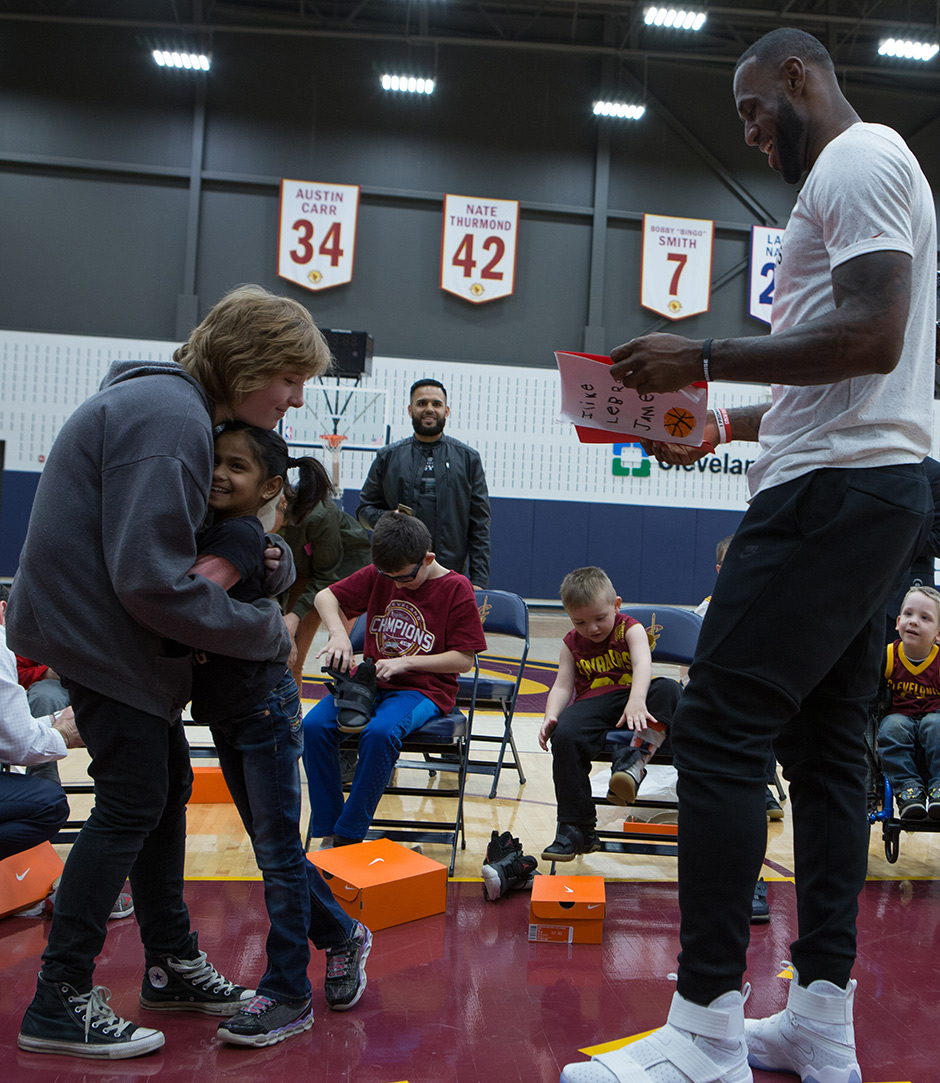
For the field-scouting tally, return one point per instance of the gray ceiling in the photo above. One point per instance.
(851, 29)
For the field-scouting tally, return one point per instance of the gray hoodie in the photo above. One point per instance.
(102, 593)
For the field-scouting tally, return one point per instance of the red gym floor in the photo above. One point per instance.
(464, 996)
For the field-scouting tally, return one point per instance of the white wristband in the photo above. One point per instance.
(724, 424)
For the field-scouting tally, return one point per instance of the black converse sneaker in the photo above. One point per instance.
(346, 970)
(190, 985)
(62, 1020)
(263, 1021)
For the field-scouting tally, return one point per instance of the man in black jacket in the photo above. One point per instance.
(440, 480)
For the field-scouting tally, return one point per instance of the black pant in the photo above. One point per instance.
(580, 737)
(143, 779)
(31, 811)
(789, 653)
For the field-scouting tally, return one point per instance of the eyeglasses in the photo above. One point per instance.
(409, 578)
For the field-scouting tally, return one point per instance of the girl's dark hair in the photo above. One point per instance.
(273, 455)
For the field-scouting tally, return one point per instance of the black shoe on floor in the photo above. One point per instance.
(506, 866)
(62, 1020)
(193, 984)
(774, 808)
(570, 841)
(760, 909)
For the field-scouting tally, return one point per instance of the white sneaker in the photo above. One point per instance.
(813, 1036)
(697, 1045)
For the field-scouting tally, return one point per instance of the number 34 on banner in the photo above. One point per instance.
(478, 247)
(317, 233)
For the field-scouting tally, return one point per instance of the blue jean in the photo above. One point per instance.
(789, 653)
(898, 737)
(259, 753)
(31, 811)
(396, 715)
(143, 779)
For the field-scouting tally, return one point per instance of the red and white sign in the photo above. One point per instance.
(677, 265)
(766, 246)
(316, 244)
(478, 247)
(604, 411)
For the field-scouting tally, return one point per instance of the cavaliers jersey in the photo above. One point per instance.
(602, 667)
(915, 688)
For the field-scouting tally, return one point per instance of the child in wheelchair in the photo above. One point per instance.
(606, 664)
(910, 733)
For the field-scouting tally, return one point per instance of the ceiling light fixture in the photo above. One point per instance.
(908, 50)
(170, 58)
(409, 84)
(621, 110)
(675, 18)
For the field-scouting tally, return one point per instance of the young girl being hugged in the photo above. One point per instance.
(253, 711)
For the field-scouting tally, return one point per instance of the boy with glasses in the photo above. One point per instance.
(423, 628)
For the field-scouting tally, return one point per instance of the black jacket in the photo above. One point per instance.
(463, 505)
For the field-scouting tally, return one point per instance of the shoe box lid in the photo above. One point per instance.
(382, 883)
(567, 909)
(28, 876)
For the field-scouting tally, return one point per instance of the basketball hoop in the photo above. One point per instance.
(334, 441)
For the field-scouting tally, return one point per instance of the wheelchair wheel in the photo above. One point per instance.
(892, 837)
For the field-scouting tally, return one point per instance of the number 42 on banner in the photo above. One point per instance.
(478, 247)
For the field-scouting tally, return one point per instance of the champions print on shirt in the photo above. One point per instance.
(401, 630)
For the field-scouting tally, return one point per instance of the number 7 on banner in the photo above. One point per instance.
(478, 247)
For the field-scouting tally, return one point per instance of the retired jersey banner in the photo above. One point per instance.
(766, 246)
(317, 233)
(677, 265)
(604, 411)
(478, 247)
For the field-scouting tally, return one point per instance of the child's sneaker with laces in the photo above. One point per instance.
(62, 1020)
(813, 1036)
(933, 802)
(263, 1021)
(506, 866)
(172, 984)
(346, 970)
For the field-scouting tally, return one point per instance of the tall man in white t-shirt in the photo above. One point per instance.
(790, 647)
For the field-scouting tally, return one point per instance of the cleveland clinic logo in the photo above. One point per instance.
(630, 460)
(400, 630)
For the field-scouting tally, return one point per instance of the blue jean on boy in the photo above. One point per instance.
(898, 737)
(259, 753)
(396, 714)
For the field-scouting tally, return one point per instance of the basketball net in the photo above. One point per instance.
(334, 441)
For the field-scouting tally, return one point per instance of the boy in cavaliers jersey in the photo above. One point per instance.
(423, 628)
(606, 663)
(912, 670)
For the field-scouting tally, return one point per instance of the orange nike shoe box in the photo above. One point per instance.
(27, 877)
(567, 910)
(209, 787)
(381, 883)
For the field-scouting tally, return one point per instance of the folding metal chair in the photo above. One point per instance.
(445, 734)
(505, 614)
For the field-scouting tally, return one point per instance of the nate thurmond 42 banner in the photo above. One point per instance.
(317, 233)
(478, 247)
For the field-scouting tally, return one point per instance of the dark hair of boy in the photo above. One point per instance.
(427, 383)
(4, 592)
(273, 455)
(398, 541)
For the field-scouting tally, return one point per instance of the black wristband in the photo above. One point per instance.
(706, 356)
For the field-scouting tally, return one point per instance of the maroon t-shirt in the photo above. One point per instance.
(441, 615)
(601, 667)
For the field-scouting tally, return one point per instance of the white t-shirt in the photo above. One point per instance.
(865, 193)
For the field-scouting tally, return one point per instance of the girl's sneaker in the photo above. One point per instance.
(264, 1021)
(346, 970)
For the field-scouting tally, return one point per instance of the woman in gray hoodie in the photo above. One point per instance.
(103, 594)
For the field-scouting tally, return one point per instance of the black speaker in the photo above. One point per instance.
(352, 351)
